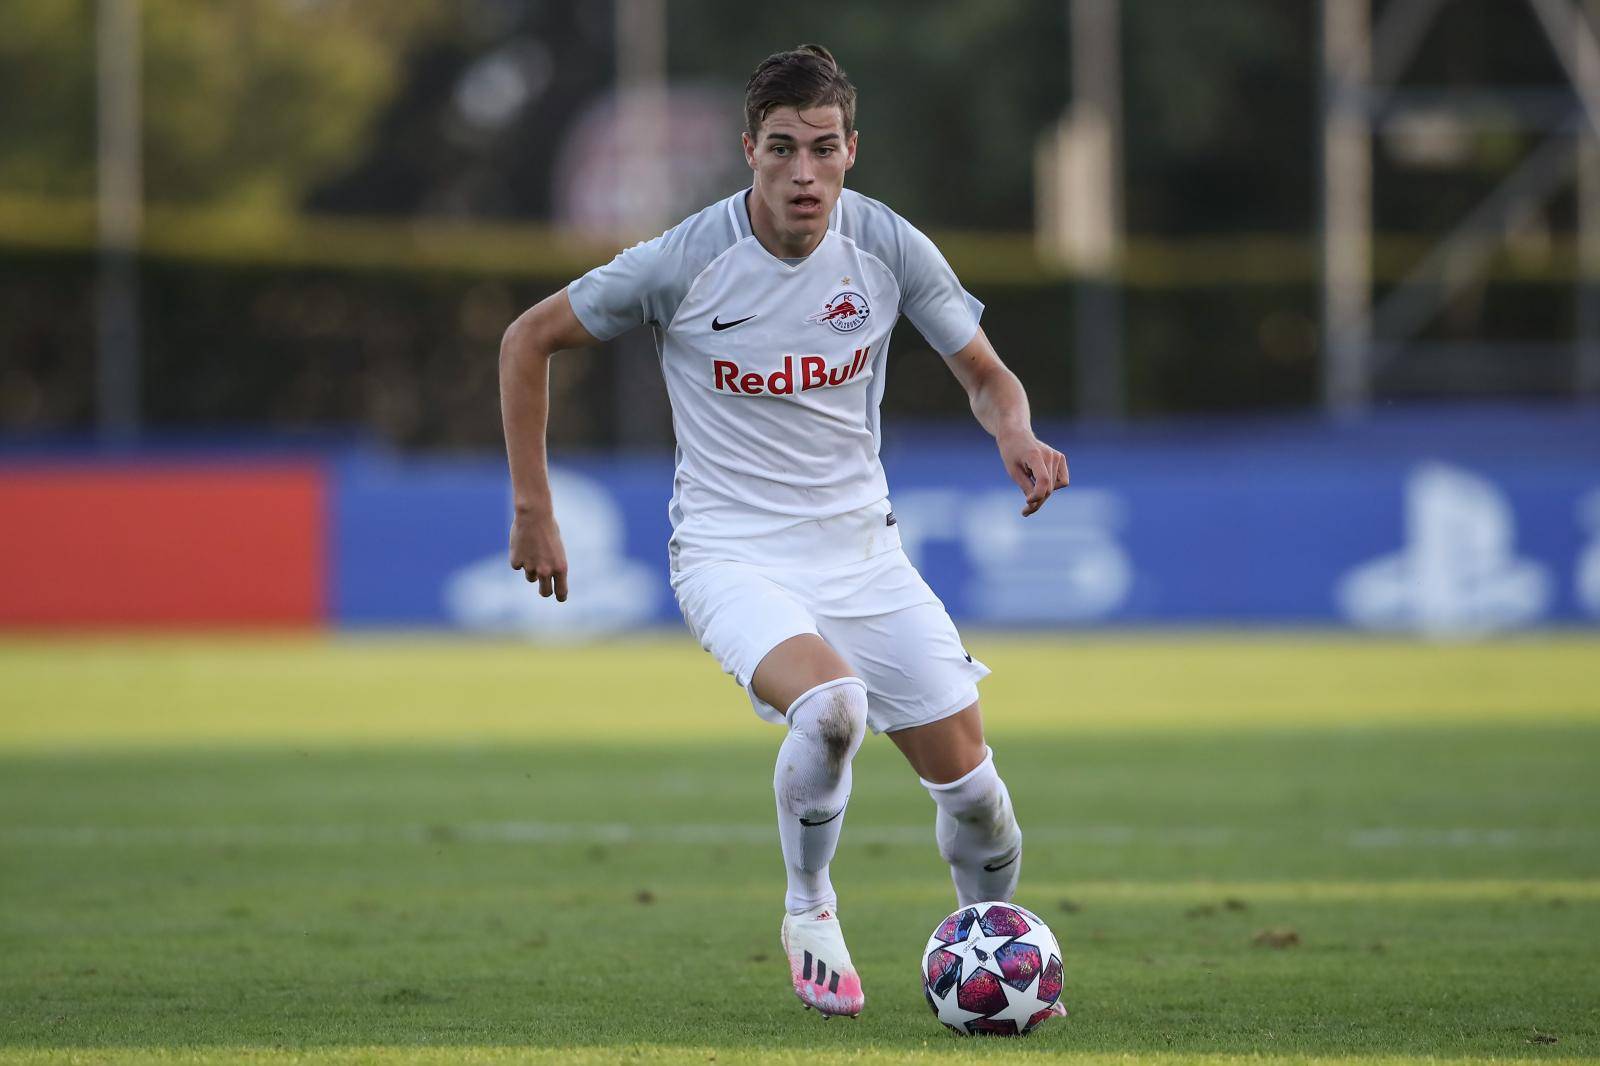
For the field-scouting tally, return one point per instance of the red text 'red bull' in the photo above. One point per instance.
(812, 372)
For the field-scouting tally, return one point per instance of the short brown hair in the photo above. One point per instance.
(806, 77)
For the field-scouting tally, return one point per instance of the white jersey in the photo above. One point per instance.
(775, 370)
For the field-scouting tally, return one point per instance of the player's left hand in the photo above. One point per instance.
(1037, 468)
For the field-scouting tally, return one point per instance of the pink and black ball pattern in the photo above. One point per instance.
(992, 969)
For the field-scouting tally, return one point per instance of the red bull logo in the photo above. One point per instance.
(846, 312)
(810, 372)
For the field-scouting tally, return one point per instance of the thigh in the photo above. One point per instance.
(740, 616)
(794, 667)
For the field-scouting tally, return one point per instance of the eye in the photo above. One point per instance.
(825, 150)
(780, 149)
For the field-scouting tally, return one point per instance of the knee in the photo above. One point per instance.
(978, 807)
(835, 714)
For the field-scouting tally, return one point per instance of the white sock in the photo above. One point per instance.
(812, 783)
(977, 833)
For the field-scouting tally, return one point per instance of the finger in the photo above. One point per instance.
(1044, 482)
(527, 572)
(561, 586)
(1019, 473)
(1043, 486)
(545, 585)
(1063, 477)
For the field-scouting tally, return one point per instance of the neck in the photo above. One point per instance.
(784, 245)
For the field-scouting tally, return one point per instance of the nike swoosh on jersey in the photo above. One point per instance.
(717, 325)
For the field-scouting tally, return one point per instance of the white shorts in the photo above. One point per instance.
(877, 613)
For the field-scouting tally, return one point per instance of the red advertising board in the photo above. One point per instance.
(176, 544)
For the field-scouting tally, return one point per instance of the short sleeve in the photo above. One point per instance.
(931, 296)
(611, 299)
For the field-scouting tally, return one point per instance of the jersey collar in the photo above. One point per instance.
(739, 219)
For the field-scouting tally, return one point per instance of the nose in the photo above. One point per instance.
(803, 170)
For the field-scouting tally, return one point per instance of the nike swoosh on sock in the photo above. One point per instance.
(824, 821)
(994, 869)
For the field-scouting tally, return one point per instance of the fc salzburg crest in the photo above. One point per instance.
(846, 312)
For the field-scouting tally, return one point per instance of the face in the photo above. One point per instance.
(799, 159)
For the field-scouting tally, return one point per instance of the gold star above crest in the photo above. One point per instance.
(844, 281)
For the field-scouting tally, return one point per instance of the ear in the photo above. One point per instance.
(850, 149)
(750, 149)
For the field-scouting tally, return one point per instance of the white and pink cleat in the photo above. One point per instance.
(819, 963)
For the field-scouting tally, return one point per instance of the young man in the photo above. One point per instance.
(772, 311)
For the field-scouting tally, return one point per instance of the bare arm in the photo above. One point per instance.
(538, 333)
(1001, 407)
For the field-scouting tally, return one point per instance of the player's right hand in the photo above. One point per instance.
(536, 550)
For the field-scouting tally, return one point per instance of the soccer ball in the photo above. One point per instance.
(992, 968)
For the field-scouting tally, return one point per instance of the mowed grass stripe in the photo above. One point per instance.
(754, 835)
(942, 1049)
(76, 693)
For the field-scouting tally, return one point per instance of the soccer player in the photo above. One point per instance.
(772, 311)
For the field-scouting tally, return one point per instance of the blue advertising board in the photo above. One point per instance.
(1461, 521)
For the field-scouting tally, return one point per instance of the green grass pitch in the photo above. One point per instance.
(400, 850)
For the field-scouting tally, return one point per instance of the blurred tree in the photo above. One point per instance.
(245, 103)
(1219, 111)
(953, 95)
(46, 79)
(478, 122)
(1218, 101)
(460, 107)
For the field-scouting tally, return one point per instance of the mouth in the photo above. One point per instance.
(806, 204)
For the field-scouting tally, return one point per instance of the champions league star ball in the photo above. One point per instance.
(992, 968)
